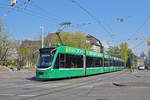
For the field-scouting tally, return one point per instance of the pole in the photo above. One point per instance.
(57, 33)
(133, 63)
(42, 35)
(103, 63)
(0, 29)
(84, 62)
(0, 57)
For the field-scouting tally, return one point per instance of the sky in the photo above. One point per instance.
(114, 21)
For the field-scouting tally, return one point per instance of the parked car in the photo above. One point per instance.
(141, 67)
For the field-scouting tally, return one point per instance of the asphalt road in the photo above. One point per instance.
(121, 85)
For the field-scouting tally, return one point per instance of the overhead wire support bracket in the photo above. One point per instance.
(60, 29)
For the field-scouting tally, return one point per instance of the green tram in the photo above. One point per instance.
(64, 61)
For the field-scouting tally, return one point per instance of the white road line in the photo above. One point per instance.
(16, 95)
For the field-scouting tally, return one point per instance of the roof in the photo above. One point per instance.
(93, 40)
(31, 43)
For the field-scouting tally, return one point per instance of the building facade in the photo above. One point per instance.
(96, 44)
(31, 44)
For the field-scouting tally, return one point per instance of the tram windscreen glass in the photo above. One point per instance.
(45, 60)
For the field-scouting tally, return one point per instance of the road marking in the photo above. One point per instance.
(17, 95)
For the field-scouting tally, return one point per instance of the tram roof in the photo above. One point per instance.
(78, 51)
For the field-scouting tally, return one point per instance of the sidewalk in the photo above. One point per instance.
(16, 74)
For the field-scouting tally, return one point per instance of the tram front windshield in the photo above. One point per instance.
(45, 59)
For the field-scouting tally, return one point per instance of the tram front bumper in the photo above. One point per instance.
(42, 74)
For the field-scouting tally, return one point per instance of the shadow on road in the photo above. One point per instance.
(59, 79)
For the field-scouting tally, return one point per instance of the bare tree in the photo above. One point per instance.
(6, 44)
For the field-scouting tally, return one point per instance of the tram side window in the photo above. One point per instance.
(101, 62)
(111, 62)
(69, 61)
(96, 62)
(56, 66)
(115, 63)
(74, 61)
(93, 62)
(106, 63)
(89, 61)
(60, 61)
(120, 64)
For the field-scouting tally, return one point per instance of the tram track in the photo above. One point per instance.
(35, 84)
(75, 85)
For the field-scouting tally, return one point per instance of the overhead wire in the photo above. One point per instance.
(33, 13)
(47, 12)
(39, 14)
(28, 12)
(137, 31)
(22, 6)
(137, 46)
(92, 16)
(139, 28)
(80, 26)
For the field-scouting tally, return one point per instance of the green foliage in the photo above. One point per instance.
(27, 67)
(124, 53)
(8, 62)
(114, 51)
(4, 41)
(31, 68)
(76, 39)
(124, 50)
(12, 53)
(27, 56)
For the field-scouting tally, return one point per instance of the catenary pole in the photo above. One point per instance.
(42, 35)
